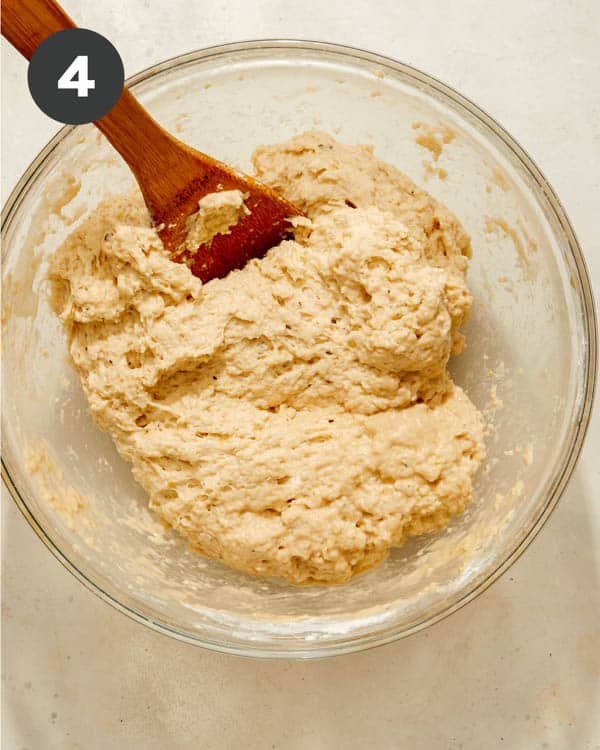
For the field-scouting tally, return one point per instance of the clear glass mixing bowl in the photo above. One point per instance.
(529, 364)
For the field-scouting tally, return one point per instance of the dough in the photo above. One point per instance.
(295, 418)
(216, 214)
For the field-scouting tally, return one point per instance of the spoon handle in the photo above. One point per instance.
(160, 163)
(26, 23)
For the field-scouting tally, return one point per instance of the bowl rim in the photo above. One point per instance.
(562, 474)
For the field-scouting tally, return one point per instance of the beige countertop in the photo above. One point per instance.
(517, 668)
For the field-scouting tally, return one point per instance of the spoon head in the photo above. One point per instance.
(266, 221)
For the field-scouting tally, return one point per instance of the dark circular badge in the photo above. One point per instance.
(76, 76)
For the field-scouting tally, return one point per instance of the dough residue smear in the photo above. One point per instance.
(498, 226)
(433, 138)
(295, 418)
(61, 497)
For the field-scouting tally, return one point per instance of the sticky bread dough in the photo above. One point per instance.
(295, 418)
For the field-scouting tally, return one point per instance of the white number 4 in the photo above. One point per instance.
(76, 77)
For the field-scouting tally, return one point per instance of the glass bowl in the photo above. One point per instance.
(529, 363)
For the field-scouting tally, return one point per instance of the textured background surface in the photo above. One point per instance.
(518, 668)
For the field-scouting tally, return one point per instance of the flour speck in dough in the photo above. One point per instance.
(295, 418)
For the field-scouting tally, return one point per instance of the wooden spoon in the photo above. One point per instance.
(172, 176)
